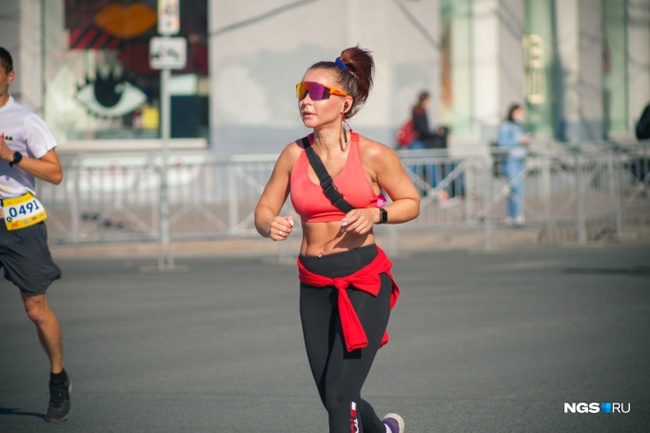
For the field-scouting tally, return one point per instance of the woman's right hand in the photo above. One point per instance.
(280, 227)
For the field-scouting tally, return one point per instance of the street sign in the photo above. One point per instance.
(169, 20)
(167, 53)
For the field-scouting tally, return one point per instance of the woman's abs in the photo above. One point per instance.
(321, 239)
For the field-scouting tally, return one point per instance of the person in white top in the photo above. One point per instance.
(27, 151)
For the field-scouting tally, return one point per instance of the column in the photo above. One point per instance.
(579, 69)
(497, 62)
(638, 58)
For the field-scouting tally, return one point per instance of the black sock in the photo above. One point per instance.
(58, 377)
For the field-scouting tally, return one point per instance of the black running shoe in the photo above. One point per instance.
(59, 408)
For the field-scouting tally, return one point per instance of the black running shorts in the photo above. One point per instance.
(25, 258)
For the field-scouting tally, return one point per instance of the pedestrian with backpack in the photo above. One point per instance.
(424, 138)
(416, 134)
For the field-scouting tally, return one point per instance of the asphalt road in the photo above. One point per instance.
(480, 342)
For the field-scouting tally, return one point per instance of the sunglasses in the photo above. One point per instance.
(317, 91)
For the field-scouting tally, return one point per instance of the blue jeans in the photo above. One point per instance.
(428, 173)
(433, 174)
(514, 203)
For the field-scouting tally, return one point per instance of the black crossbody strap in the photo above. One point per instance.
(326, 182)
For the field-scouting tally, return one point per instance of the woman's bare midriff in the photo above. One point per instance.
(321, 239)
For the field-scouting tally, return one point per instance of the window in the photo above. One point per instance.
(99, 83)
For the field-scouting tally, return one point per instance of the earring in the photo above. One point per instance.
(345, 123)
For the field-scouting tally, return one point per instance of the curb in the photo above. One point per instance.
(404, 241)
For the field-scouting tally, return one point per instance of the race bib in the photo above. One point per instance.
(23, 211)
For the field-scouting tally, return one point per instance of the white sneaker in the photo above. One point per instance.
(394, 422)
(520, 220)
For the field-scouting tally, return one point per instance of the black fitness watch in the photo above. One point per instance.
(383, 215)
(17, 158)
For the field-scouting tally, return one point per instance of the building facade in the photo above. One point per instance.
(581, 67)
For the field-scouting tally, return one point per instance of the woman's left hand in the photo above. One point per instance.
(359, 221)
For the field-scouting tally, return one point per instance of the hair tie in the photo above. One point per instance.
(339, 62)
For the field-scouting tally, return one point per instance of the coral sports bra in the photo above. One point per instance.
(309, 200)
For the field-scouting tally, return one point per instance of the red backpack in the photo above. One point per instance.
(406, 134)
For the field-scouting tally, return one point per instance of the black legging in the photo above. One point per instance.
(339, 374)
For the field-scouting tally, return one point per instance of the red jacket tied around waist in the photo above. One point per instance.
(366, 279)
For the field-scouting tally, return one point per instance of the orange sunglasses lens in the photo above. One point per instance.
(317, 91)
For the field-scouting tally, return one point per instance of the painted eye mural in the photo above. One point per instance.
(110, 96)
(108, 26)
(111, 40)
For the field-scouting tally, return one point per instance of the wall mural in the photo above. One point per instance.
(120, 82)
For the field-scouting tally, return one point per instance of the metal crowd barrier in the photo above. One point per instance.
(579, 195)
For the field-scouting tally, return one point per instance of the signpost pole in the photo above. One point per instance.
(165, 256)
(168, 24)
